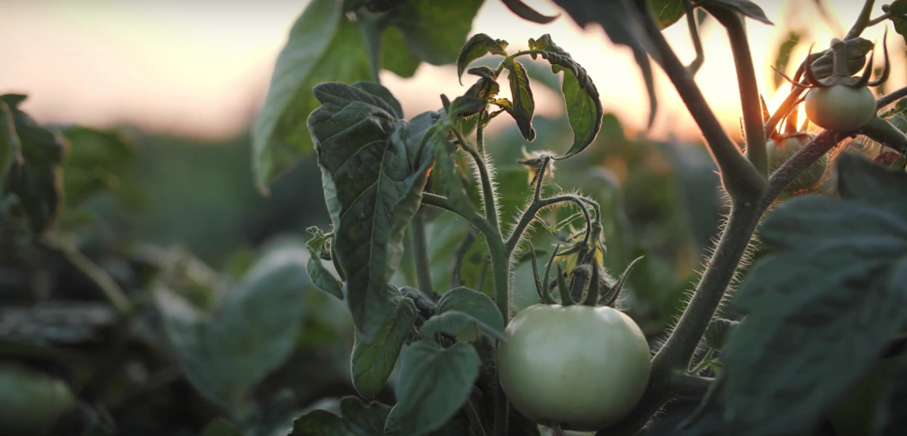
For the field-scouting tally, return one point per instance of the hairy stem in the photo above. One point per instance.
(420, 254)
(533, 209)
(680, 346)
(741, 179)
(489, 201)
(500, 272)
(749, 90)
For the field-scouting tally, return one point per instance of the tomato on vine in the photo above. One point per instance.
(841, 102)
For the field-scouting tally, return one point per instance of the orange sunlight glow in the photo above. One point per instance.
(194, 69)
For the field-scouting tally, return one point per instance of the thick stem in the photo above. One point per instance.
(749, 89)
(420, 255)
(680, 346)
(489, 201)
(862, 20)
(500, 271)
(741, 179)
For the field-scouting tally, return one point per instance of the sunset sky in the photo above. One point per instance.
(201, 68)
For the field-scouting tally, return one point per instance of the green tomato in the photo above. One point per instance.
(31, 401)
(583, 367)
(840, 107)
(788, 145)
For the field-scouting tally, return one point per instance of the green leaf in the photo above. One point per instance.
(782, 59)
(434, 30)
(447, 174)
(425, 305)
(220, 427)
(621, 23)
(719, 332)
(667, 12)
(434, 384)
(860, 179)
(36, 178)
(375, 354)
(323, 46)
(395, 57)
(357, 419)
(745, 7)
(523, 102)
(454, 322)
(525, 12)
(321, 277)
(254, 330)
(477, 46)
(889, 418)
(374, 168)
(474, 304)
(584, 108)
(97, 161)
(820, 309)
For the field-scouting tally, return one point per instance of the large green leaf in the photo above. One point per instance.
(898, 11)
(357, 419)
(525, 12)
(323, 46)
(523, 102)
(434, 384)
(395, 57)
(434, 30)
(374, 168)
(820, 309)
(584, 108)
(860, 179)
(252, 332)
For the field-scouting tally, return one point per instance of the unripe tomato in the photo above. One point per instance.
(580, 366)
(840, 107)
(30, 401)
(788, 145)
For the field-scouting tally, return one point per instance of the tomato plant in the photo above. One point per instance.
(677, 290)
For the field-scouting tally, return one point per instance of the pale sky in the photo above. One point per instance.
(201, 68)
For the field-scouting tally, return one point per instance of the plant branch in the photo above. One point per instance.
(488, 198)
(741, 179)
(420, 255)
(372, 37)
(689, 386)
(109, 287)
(862, 20)
(749, 89)
(693, 26)
(477, 221)
(533, 209)
(680, 346)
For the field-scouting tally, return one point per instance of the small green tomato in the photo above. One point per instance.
(580, 366)
(786, 145)
(31, 401)
(840, 107)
